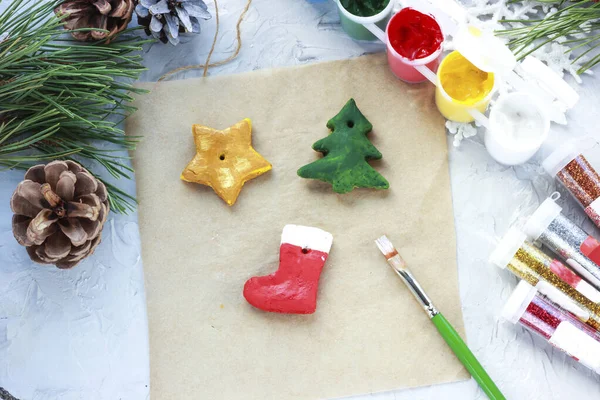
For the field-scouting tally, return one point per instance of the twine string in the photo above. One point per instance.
(207, 64)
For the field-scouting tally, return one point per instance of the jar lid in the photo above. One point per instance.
(507, 247)
(450, 13)
(484, 50)
(536, 71)
(518, 302)
(565, 153)
(552, 93)
(542, 218)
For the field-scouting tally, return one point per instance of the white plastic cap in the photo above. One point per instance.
(507, 248)
(542, 218)
(549, 81)
(560, 158)
(453, 9)
(449, 13)
(518, 302)
(484, 50)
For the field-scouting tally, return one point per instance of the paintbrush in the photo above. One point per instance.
(452, 338)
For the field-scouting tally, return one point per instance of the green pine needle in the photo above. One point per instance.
(61, 98)
(576, 21)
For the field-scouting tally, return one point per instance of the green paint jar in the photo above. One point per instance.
(353, 24)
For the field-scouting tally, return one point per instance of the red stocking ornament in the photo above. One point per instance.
(292, 289)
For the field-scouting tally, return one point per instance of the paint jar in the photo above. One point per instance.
(414, 44)
(467, 77)
(567, 240)
(518, 126)
(353, 24)
(573, 170)
(560, 328)
(529, 263)
(520, 121)
(462, 86)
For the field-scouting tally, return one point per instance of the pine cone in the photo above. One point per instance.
(4, 395)
(60, 209)
(165, 19)
(110, 15)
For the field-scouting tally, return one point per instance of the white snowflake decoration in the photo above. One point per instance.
(460, 131)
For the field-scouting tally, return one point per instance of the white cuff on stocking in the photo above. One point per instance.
(307, 237)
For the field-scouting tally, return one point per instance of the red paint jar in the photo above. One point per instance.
(413, 39)
(413, 34)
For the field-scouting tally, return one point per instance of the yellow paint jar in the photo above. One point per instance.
(462, 86)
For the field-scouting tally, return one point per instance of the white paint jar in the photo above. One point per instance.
(517, 128)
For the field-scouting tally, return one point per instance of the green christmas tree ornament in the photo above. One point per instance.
(345, 154)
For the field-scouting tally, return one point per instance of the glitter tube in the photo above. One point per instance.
(573, 170)
(580, 250)
(559, 327)
(532, 265)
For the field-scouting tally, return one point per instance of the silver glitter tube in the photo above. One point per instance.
(567, 240)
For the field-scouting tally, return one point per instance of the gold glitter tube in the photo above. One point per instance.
(532, 265)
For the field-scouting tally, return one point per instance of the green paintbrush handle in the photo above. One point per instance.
(466, 357)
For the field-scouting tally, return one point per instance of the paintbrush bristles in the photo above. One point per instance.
(390, 253)
(386, 247)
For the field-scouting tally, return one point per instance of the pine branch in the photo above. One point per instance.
(62, 98)
(575, 23)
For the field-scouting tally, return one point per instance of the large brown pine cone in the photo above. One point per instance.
(110, 15)
(60, 209)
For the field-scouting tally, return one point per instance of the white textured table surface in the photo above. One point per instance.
(82, 333)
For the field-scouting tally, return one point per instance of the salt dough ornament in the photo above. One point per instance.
(346, 151)
(225, 160)
(292, 289)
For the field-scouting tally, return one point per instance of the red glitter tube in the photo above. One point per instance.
(559, 327)
(573, 170)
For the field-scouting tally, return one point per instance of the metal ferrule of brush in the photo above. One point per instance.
(418, 292)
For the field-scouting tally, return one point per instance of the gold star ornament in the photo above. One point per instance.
(225, 160)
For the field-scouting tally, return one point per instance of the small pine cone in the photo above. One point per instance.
(4, 395)
(166, 19)
(110, 15)
(59, 212)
